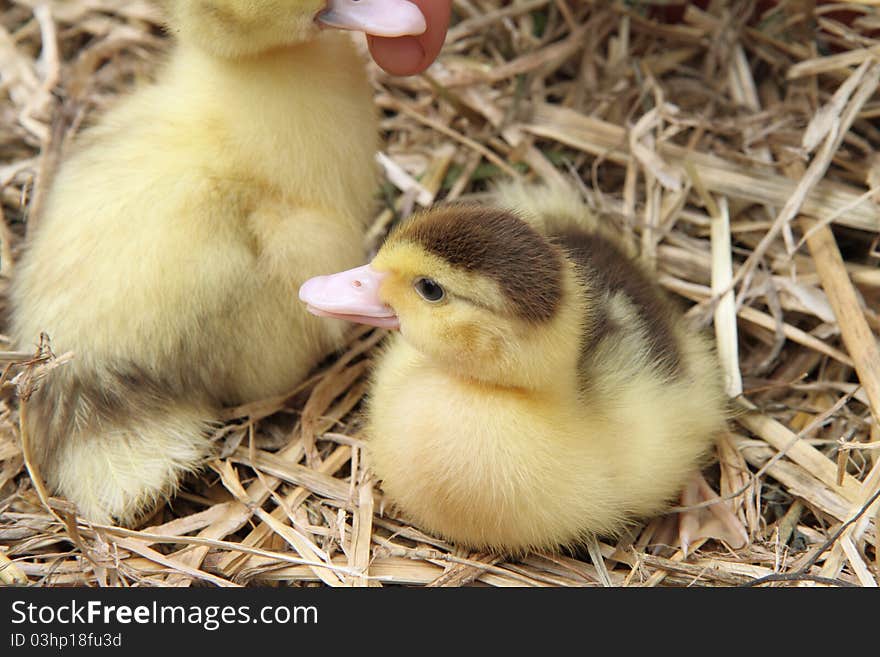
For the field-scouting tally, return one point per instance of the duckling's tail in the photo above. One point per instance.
(113, 444)
(552, 208)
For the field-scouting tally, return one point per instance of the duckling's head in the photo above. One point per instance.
(241, 28)
(476, 290)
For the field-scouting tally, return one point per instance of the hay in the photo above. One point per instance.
(738, 147)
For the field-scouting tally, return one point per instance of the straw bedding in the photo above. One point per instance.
(736, 143)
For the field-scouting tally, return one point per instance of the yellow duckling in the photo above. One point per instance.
(177, 231)
(541, 388)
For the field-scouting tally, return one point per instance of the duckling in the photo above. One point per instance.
(541, 389)
(176, 233)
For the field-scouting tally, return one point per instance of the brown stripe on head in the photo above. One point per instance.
(497, 244)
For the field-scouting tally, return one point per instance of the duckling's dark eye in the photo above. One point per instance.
(429, 290)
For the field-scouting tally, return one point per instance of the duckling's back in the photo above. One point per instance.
(624, 301)
(626, 304)
(655, 376)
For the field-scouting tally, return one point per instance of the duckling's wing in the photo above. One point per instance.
(628, 315)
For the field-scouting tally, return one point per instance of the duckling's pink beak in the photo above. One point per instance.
(352, 295)
(382, 18)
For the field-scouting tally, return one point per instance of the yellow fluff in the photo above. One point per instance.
(175, 236)
(550, 394)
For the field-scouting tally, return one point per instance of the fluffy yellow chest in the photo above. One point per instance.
(481, 466)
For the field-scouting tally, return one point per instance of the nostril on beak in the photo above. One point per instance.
(358, 284)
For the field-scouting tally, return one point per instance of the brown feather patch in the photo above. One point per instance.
(497, 244)
(77, 405)
(608, 270)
